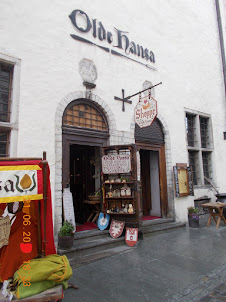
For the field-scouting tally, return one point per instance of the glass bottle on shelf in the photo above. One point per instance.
(128, 191)
(123, 191)
(130, 210)
(110, 192)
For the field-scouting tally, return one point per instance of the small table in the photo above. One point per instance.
(218, 207)
(95, 209)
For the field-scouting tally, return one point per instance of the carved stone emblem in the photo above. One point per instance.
(88, 70)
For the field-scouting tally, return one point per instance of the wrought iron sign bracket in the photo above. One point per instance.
(126, 99)
(123, 100)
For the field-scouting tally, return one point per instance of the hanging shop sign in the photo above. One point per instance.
(20, 183)
(116, 228)
(119, 39)
(131, 236)
(145, 111)
(114, 164)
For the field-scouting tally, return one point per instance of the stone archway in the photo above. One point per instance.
(58, 145)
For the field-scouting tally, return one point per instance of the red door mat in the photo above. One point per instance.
(86, 226)
(144, 218)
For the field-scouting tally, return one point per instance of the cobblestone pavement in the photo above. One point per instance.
(182, 265)
(205, 289)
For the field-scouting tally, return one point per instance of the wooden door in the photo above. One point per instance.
(82, 182)
(145, 181)
(146, 200)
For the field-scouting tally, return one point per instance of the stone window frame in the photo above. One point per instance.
(11, 127)
(196, 152)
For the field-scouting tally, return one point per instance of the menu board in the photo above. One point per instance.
(183, 180)
(68, 206)
(115, 164)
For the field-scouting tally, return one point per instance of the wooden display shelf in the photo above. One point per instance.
(112, 213)
(123, 176)
(118, 198)
(119, 183)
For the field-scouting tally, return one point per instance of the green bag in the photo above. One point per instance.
(41, 274)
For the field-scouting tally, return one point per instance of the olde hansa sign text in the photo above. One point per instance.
(21, 182)
(114, 164)
(145, 111)
(118, 39)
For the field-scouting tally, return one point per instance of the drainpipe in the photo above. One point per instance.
(221, 41)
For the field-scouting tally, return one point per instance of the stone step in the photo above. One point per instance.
(157, 221)
(82, 260)
(93, 245)
(86, 236)
(151, 230)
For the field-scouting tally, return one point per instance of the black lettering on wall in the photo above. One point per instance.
(94, 28)
(120, 39)
(73, 16)
(98, 29)
(140, 51)
(133, 48)
(152, 57)
(109, 37)
(101, 32)
(146, 55)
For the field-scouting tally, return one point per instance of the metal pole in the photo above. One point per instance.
(44, 162)
(39, 230)
(129, 97)
(221, 41)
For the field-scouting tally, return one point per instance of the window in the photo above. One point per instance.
(85, 116)
(9, 98)
(4, 143)
(200, 146)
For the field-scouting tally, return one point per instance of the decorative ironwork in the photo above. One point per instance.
(123, 100)
(126, 99)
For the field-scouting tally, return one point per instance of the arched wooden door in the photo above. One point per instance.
(151, 145)
(85, 131)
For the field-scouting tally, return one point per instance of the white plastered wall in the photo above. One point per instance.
(184, 37)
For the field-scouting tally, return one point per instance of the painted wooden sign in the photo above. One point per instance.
(131, 236)
(183, 180)
(103, 221)
(114, 164)
(20, 183)
(116, 228)
(145, 111)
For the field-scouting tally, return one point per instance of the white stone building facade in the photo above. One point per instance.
(181, 47)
